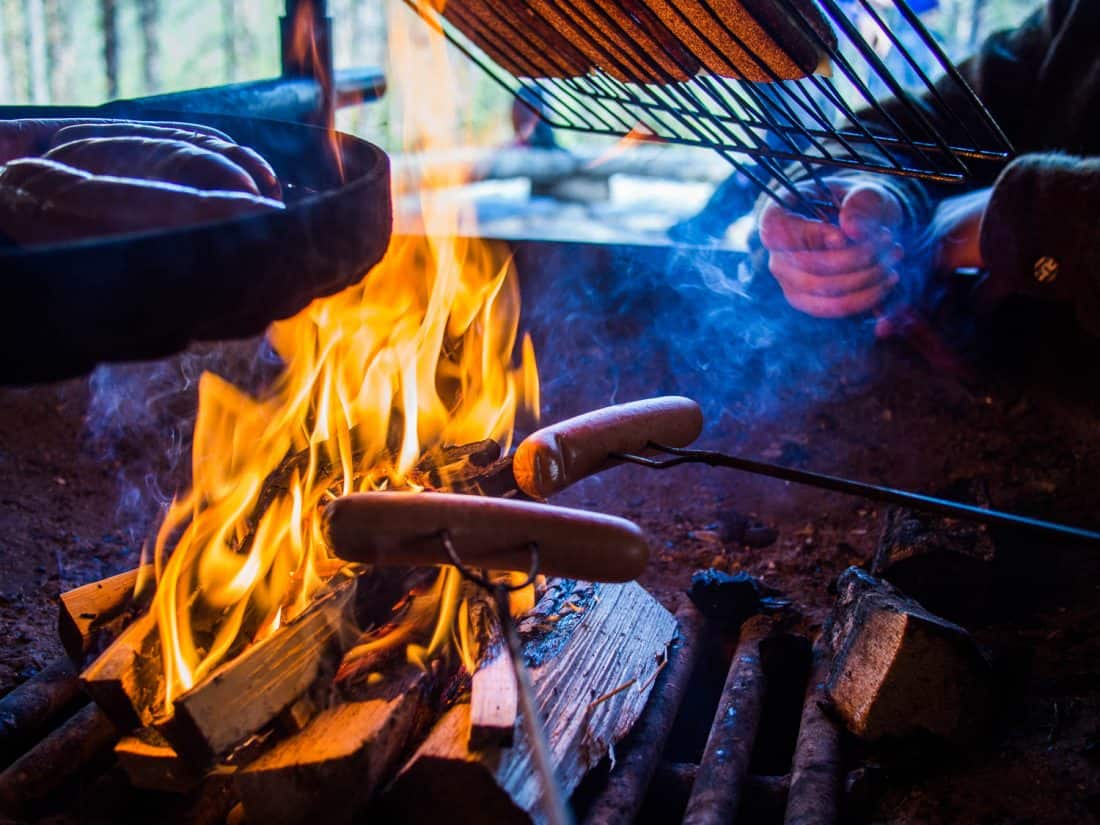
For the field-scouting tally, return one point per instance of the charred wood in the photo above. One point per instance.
(816, 770)
(127, 679)
(27, 710)
(719, 784)
(638, 759)
(56, 758)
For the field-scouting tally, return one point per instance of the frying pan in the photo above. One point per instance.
(67, 307)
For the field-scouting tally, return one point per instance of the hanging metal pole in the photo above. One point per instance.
(306, 34)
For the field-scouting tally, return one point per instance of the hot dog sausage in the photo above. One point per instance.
(404, 529)
(248, 159)
(28, 136)
(171, 161)
(42, 201)
(554, 457)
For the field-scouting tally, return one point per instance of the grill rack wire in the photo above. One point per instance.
(767, 131)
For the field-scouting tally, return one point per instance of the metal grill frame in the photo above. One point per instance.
(762, 128)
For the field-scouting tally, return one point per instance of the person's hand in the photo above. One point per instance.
(956, 232)
(829, 270)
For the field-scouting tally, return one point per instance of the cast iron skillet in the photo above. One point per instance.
(67, 307)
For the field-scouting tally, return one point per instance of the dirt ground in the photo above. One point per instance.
(85, 463)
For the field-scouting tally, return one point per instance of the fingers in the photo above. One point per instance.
(852, 303)
(868, 211)
(842, 261)
(782, 230)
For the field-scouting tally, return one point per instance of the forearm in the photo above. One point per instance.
(1041, 233)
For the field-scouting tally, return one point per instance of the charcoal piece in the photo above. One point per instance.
(723, 597)
(946, 564)
(738, 528)
(899, 670)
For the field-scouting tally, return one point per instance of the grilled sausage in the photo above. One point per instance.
(249, 160)
(29, 136)
(739, 38)
(554, 457)
(404, 529)
(170, 161)
(42, 201)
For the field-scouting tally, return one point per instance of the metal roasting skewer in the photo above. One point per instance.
(555, 807)
(873, 492)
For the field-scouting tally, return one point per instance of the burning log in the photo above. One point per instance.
(126, 678)
(152, 764)
(247, 692)
(56, 758)
(494, 699)
(718, 787)
(352, 748)
(898, 669)
(590, 692)
(93, 614)
(31, 706)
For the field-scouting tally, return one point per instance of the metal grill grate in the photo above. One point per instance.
(832, 120)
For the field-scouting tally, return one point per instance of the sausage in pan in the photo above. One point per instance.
(42, 201)
(247, 159)
(31, 136)
(171, 161)
(404, 529)
(554, 457)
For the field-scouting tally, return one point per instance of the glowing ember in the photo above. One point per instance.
(417, 356)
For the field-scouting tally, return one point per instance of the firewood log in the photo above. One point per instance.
(29, 708)
(591, 690)
(95, 613)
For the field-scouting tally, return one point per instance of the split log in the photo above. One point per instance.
(29, 708)
(898, 669)
(591, 688)
(92, 615)
(333, 767)
(637, 761)
(56, 758)
(719, 783)
(126, 680)
(151, 763)
(494, 698)
(246, 693)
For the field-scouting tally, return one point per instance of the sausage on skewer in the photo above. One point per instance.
(554, 457)
(405, 528)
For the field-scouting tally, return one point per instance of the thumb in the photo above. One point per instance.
(867, 210)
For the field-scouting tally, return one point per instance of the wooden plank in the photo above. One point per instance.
(591, 690)
(494, 702)
(245, 694)
(102, 608)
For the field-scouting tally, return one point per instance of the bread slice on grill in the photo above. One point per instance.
(515, 38)
(622, 37)
(733, 38)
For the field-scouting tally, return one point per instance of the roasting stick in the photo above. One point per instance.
(873, 492)
(557, 812)
(655, 433)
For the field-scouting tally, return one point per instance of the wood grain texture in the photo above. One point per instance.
(591, 693)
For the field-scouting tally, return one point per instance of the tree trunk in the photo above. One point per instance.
(5, 59)
(34, 30)
(230, 27)
(108, 10)
(60, 58)
(149, 20)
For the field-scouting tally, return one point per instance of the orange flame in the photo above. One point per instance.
(416, 356)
